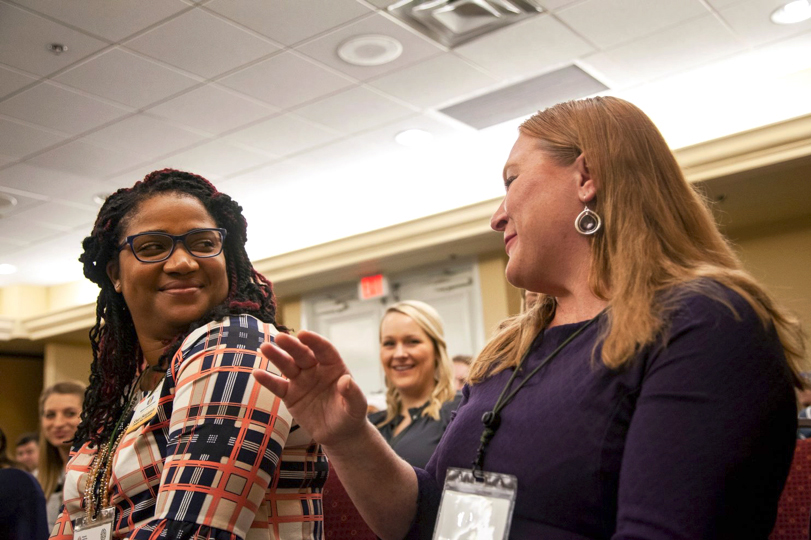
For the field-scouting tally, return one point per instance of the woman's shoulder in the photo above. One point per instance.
(712, 304)
(243, 330)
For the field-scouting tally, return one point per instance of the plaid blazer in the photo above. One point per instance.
(209, 453)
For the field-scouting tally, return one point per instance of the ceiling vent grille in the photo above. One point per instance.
(453, 22)
(525, 98)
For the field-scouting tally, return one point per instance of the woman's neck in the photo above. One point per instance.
(416, 399)
(576, 306)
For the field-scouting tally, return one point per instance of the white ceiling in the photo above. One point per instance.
(252, 95)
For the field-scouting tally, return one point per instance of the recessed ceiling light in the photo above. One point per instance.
(793, 12)
(99, 198)
(7, 201)
(414, 138)
(6, 269)
(370, 50)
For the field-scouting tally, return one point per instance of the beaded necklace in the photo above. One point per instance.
(96, 492)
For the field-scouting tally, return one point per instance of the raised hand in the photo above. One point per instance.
(319, 391)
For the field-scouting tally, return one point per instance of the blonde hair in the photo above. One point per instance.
(50, 465)
(430, 322)
(658, 233)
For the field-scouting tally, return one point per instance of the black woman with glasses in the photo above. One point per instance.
(177, 440)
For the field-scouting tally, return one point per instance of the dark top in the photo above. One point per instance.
(692, 439)
(22, 507)
(417, 441)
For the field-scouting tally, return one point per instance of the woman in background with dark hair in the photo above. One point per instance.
(177, 440)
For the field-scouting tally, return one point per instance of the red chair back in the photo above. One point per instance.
(341, 518)
(794, 508)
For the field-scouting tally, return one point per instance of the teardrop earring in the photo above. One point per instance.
(587, 222)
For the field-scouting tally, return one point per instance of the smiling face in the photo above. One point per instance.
(407, 355)
(165, 297)
(537, 218)
(60, 418)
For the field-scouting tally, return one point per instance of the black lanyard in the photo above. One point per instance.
(492, 418)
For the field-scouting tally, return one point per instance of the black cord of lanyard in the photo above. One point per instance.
(492, 418)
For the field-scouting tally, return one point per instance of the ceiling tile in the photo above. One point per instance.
(751, 20)
(5, 160)
(669, 51)
(610, 22)
(286, 80)
(24, 38)
(142, 135)
(214, 160)
(552, 5)
(121, 76)
(289, 21)
(382, 4)
(11, 81)
(212, 109)
(718, 4)
(434, 82)
(284, 135)
(35, 181)
(111, 20)
(23, 202)
(61, 215)
(58, 108)
(18, 140)
(354, 110)
(415, 48)
(436, 124)
(25, 230)
(526, 48)
(82, 191)
(85, 159)
(202, 44)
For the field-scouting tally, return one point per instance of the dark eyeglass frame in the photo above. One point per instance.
(175, 239)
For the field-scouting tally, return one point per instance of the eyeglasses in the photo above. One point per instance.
(153, 247)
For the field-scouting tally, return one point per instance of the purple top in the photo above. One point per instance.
(693, 439)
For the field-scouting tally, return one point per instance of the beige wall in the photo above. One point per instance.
(499, 299)
(780, 257)
(67, 362)
(288, 312)
(20, 386)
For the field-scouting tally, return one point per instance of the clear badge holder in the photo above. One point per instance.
(99, 529)
(476, 507)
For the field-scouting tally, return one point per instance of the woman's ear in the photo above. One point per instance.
(112, 273)
(586, 187)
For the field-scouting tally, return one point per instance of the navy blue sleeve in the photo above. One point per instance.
(712, 438)
(22, 507)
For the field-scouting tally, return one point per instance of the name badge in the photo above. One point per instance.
(100, 529)
(145, 410)
(476, 509)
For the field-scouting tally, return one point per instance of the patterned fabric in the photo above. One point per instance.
(217, 457)
(342, 521)
(794, 509)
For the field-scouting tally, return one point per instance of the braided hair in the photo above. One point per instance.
(117, 356)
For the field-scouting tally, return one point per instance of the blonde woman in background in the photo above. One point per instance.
(420, 396)
(60, 408)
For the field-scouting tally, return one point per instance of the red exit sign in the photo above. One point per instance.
(375, 286)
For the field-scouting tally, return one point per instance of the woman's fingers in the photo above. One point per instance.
(275, 384)
(279, 358)
(300, 353)
(353, 396)
(324, 351)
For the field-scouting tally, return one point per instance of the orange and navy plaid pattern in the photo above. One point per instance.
(221, 458)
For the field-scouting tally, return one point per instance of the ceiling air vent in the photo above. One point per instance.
(453, 22)
(525, 97)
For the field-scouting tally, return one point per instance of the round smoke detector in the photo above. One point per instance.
(370, 50)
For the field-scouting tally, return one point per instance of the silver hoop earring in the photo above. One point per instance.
(587, 222)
